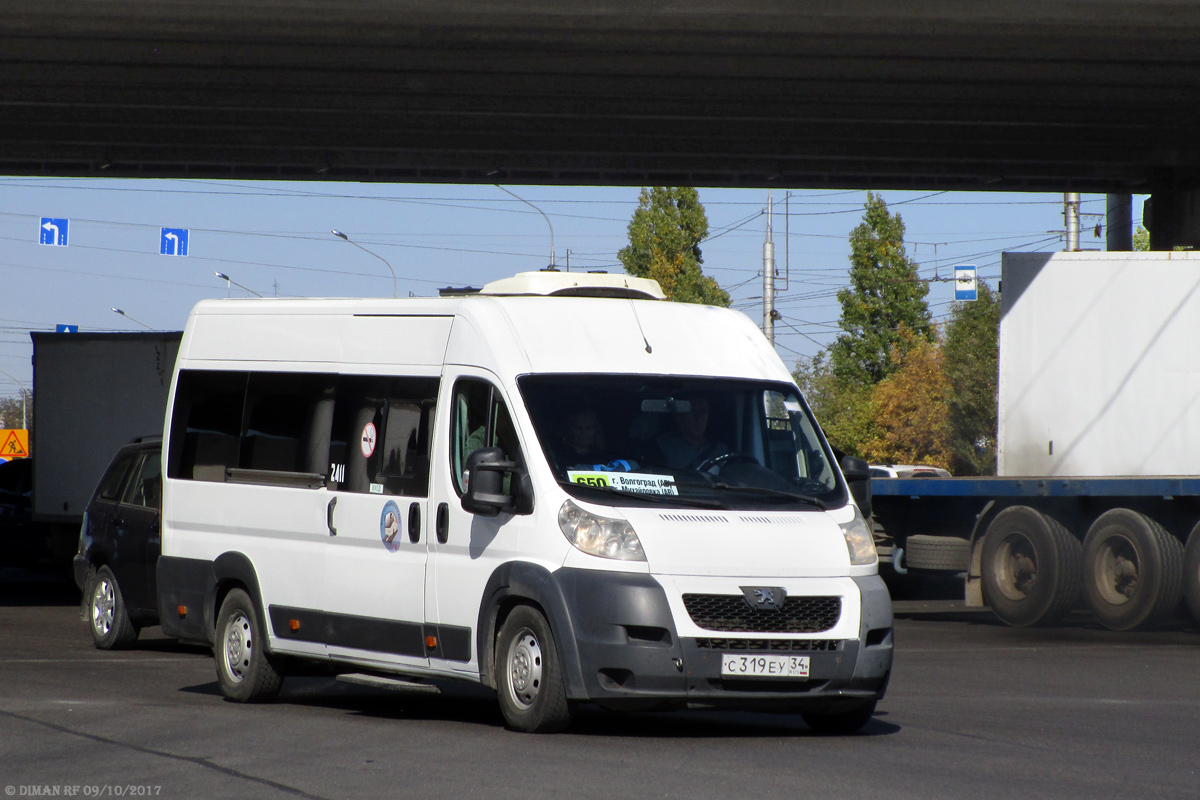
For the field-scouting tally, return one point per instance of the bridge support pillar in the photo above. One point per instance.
(1118, 228)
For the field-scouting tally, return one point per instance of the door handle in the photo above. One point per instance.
(443, 523)
(329, 516)
(414, 522)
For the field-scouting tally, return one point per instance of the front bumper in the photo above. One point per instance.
(630, 655)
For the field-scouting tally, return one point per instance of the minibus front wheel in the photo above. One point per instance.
(529, 680)
(244, 669)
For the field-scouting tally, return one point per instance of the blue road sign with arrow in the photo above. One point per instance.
(174, 242)
(53, 232)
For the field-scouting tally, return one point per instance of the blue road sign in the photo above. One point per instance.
(60, 328)
(53, 232)
(174, 242)
(964, 284)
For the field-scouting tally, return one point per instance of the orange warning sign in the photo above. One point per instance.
(14, 443)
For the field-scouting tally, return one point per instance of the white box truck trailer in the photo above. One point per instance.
(1099, 414)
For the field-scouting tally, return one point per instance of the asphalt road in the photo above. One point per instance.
(975, 710)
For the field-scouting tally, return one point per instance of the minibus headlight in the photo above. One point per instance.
(599, 536)
(859, 540)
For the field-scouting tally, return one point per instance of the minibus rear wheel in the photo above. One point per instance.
(244, 670)
(530, 681)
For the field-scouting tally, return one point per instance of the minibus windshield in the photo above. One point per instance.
(718, 442)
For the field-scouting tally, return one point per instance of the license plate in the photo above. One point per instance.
(764, 666)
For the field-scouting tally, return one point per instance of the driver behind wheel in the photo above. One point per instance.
(688, 444)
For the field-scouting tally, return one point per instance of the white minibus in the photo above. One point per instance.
(560, 486)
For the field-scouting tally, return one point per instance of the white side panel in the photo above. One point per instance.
(319, 338)
(1099, 368)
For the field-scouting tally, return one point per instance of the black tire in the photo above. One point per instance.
(1030, 568)
(842, 721)
(108, 619)
(1133, 570)
(244, 668)
(937, 552)
(529, 679)
(1191, 572)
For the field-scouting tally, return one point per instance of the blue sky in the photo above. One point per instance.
(274, 238)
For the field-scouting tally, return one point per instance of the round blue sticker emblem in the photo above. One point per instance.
(389, 526)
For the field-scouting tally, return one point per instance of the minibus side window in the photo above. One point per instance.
(382, 433)
(206, 424)
(280, 417)
(480, 420)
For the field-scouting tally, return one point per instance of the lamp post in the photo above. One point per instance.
(229, 280)
(346, 238)
(126, 316)
(543, 213)
(24, 400)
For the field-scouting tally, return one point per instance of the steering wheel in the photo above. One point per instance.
(723, 459)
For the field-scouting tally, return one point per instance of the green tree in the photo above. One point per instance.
(885, 294)
(664, 245)
(844, 410)
(972, 358)
(1141, 240)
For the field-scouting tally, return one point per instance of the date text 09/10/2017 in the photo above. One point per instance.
(83, 790)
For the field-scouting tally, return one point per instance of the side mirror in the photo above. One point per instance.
(485, 494)
(858, 477)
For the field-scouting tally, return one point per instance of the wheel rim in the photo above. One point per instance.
(525, 669)
(104, 603)
(1015, 566)
(1116, 570)
(239, 646)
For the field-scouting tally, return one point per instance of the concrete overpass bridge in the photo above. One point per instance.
(1075, 95)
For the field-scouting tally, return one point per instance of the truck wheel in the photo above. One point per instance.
(1133, 570)
(244, 670)
(107, 616)
(1191, 572)
(1031, 567)
(937, 552)
(841, 722)
(529, 676)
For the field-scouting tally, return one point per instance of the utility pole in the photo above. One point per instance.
(1071, 215)
(769, 279)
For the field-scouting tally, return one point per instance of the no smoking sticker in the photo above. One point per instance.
(368, 439)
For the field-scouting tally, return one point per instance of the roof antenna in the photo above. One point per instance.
(636, 319)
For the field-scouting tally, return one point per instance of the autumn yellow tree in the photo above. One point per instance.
(910, 407)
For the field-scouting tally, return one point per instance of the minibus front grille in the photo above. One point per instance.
(731, 613)
(786, 645)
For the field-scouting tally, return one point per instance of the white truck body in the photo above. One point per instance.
(1099, 364)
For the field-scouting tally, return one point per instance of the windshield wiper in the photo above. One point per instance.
(802, 498)
(649, 498)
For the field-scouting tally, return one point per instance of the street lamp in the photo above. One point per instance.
(346, 238)
(126, 316)
(24, 400)
(543, 213)
(229, 280)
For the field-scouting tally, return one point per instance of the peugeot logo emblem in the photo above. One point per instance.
(765, 598)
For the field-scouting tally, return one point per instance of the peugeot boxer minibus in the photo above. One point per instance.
(561, 486)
